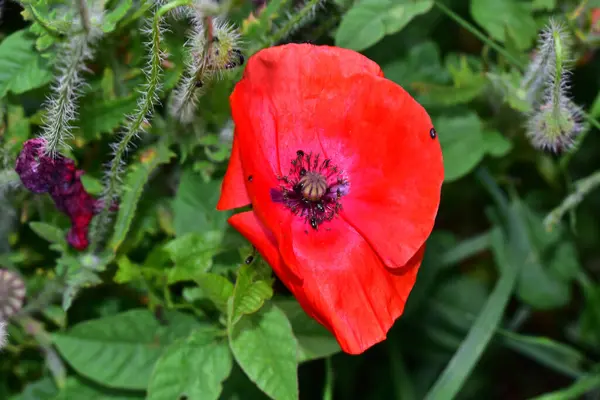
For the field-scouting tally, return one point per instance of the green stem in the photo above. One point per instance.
(292, 23)
(145, 109)
(582, 188)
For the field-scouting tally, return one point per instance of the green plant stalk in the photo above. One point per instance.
(582, 386)
(582, 188)
(145, 109)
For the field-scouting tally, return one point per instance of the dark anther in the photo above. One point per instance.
(432, 133)
(313, 223)
(249, 260)
(326, 162)
(302, 172)
(300, 153)
(250, 177)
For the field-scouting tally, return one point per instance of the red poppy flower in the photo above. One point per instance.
(343, 170)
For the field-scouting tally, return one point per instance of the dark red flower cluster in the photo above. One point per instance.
(58, 176)
(343, 171)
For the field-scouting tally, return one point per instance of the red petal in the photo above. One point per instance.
(271, 108)
(381, 138)
(255, 231)
(233, 189)
(345, 286)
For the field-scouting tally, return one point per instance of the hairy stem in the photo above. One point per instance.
(149, 97)
(582, 188)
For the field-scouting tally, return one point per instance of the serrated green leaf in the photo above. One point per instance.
(135, 182)
(368, 21)
(49, 232)
(264, 346)
(195, 204)
(120, 351)
(314, 340)
(21, 67)
(98, 117)
(249, 294)
(192, 254)
(462, 143)
(216, 288)
(112, 17)
(506, 19)
(192, 368)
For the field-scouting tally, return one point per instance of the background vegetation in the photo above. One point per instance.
(169, 303)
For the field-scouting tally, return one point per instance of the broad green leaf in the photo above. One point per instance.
(368, 21)
(49, 232)
(421, 64)
(98, 117)
(506, 17)
(548, 5)
(76, 389)
(463, 144)
(538, 286)
(314, 340)
(251, 290)
(192, 254)
(195, 204)
(18, 131)
(21, 67)
(496, 144)
(120, 351)
(136, 180)
(216, 288)
(264, 346)
(192, 368)
(112, 17)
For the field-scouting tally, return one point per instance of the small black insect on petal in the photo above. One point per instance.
(432, 133)
(250, 177)
(313, 223)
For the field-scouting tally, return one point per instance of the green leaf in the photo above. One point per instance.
(21, 67)
(78, 389)
(18, 130)
(538, 286)
(488, 320)
(192, 368)
(368, 21)
(216, 288)
(577, 390)
(496, 144)
(192, 254)
(251, 291)
(135, 182)
(195, 204)
(120, 351)
(314, 340)
(463, 144)
(506, 19)
(263, 345)
(98, 117)
(50, 233)
(91, 185)
(555, 355)
(112, 17)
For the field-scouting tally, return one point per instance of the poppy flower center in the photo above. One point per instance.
(312, 189)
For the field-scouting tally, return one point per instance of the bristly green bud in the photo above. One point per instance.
(555, 120)
(212, 50)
